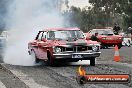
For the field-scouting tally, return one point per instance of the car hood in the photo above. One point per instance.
(78, 42)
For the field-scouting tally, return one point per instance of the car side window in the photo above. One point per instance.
(51, 35)
(44, 35)
(92, 32)
(89, 31)
(40, 36)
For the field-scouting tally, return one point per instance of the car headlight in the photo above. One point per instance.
(95, 48)
(120, 38)
(57, 50)
(104, 38)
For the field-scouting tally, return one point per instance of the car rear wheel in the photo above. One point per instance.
(34, 58)
(104, 46)
(119, 45)
(92, 61)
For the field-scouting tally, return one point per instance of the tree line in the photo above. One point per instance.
(102, 13)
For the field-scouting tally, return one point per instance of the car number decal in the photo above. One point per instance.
(76, 56)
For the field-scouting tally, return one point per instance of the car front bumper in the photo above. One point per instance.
(85, 55)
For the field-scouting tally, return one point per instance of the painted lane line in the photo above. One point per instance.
(26, 79)
(2, 85)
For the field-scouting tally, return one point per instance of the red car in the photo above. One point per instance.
(106, 37)
(63, 45)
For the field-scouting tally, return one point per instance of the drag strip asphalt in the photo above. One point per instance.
(64, 76)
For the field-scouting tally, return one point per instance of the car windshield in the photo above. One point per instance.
(104, 32)
(66, 34)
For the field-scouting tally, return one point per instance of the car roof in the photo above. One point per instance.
(59, 29)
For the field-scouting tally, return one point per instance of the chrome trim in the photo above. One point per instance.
(79, 53)
(75, 48)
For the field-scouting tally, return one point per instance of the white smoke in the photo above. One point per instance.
(25, 18)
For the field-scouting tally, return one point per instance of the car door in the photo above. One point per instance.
(36, 44)
(42, 45)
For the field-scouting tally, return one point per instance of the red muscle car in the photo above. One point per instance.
(106, 37)
(63, 45)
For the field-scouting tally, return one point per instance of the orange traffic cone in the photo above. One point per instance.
(116, 56)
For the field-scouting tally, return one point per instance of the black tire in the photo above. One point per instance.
(92, 61)
(36, 60)
(119, 45)
(106, 47)
(50, 61)
(102, 46)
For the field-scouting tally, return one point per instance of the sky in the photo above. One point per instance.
(79, 3)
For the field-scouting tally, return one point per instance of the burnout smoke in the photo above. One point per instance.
(24, 19)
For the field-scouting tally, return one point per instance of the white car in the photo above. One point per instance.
(126, 39)
(3, 38)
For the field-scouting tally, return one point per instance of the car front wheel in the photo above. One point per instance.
(92, 61)
(50, 61)
(34, 58)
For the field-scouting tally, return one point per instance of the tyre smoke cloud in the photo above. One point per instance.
(23, 20)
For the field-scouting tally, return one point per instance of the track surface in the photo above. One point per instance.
(65, 76)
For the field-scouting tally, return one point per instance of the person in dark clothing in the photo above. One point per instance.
(94, 37)
(116, 29)
(129, 31)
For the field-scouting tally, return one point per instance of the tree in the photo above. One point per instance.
(117, 11)
(104, 13)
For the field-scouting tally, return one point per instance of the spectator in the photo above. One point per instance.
(94, 37)
(116, 29)
(130, 32)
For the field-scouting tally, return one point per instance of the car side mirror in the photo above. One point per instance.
(44, 39)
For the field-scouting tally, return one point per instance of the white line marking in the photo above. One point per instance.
(2, 85)
(26, 79)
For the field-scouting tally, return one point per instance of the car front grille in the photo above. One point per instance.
(76, 48)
